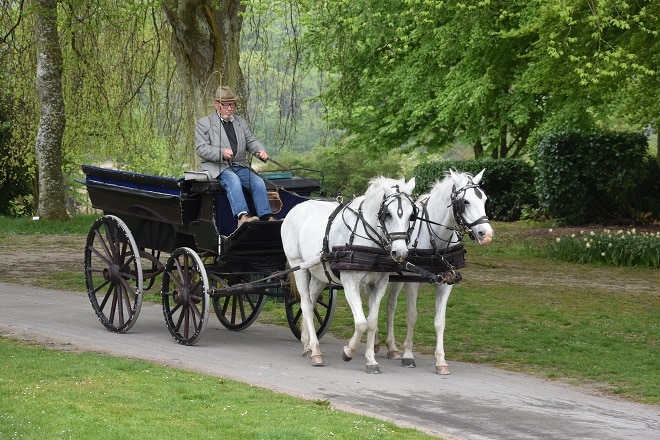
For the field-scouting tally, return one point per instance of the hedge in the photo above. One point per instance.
(509, 183)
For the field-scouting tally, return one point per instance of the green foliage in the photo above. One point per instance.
(499, 75)
(645, 201)
(613, 248)
(509, 183)
(16, 183)
(585, 177)
(348, 172)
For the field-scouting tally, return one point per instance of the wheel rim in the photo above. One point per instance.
(113, 273)
(237, 312)
(185, 295)
(324, 310)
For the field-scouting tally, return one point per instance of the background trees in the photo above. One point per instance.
(394, 80)
(495, 75)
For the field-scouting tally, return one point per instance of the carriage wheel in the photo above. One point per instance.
(239, 311)
(185, 295)
(323, 312)
(113, 273)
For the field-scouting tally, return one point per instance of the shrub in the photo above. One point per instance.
(509, 183)
(590, 177)
(15, 181)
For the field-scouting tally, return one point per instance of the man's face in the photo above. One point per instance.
(225, 108)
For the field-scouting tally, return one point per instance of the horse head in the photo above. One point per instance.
(389, 205)
(469, 204)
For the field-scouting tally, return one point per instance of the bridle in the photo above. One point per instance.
(458, 207)
(384, 210)
(385, 239)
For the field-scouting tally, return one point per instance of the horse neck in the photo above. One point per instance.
(440, 213)
(351, 224)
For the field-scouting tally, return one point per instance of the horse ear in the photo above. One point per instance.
(410, 186)
(476, 179)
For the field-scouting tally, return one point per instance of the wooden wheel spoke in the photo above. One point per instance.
(113, 273)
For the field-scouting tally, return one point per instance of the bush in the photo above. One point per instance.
(590, 177)
(509, 183)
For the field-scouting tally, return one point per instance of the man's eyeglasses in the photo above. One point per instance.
(227, 104)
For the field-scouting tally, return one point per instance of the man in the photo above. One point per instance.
(222, 140)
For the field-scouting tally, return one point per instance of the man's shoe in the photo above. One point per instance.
(246, 218)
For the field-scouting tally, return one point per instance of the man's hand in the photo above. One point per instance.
(262, 155)
(227, 154)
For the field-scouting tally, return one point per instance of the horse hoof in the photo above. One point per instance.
(408, 363)
(307, 353)
(395, 354)
(317, 361)
(376, 348)
(442, 369)
(373, 369)
(344, 356)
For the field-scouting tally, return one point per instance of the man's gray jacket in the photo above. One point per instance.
(211, 139)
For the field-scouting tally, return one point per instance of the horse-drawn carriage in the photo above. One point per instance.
(211, 261)
(183, 230)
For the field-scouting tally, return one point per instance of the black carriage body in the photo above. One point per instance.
(165, 213)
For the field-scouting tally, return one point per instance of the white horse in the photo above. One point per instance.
(455, 206)
(380, 220)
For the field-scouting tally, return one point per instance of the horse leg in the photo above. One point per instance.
(408, 359)
(441, 297)
(375, 294)
(376, 344)
(310, 342)
(352, 294)
(392, 296)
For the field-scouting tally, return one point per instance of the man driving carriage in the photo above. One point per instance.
(222, 140)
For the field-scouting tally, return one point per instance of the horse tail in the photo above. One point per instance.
(293, 287)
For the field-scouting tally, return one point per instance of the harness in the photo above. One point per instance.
(377, 256)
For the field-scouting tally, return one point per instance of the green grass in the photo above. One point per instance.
(62, 395)
(78, 224)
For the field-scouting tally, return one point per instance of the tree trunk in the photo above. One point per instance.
(478, 149)
(52, 121)
(206, 46)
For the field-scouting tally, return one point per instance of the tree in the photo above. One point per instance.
(496, 75)
(206, 46)
(48, 147)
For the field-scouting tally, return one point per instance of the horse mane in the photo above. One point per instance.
(444, 185)
(376, 191)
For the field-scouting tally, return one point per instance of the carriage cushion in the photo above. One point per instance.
(198, 176)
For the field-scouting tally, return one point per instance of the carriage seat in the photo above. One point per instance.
(203, 181)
